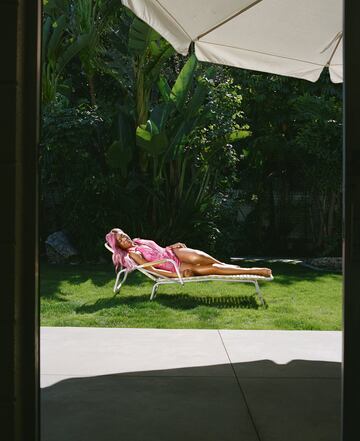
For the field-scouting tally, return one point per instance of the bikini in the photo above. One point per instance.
(151, 251)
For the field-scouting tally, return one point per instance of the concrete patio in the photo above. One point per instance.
(106, 384)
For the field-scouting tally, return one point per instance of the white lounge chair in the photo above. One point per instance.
(163, 280)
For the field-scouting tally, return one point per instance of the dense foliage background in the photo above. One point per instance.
(136, 136)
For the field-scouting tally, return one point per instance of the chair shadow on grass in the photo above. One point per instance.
(173, 301)
(186, 301)
(99, 275)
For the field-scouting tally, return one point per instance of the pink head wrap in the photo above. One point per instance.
(120, 257)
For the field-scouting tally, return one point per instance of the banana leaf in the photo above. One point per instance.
(50, 6)
(183, 82)
(58, 27)
(72, 50)
(160, 115)
(153, 67)
(150, 139)
(120, 152)
(46, 32)
(184, 128)
(140, 36)
(164, 88)
(196, 101)
(118, 157)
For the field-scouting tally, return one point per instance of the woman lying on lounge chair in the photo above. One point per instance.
(191, 262)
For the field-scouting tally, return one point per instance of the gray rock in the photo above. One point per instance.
(327, 263)
(58, 248)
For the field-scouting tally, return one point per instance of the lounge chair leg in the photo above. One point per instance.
(259, 292)
(154, 291)
(117, 288)
(118, 285)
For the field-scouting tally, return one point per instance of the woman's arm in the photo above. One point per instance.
(177, 245)
(138, 258)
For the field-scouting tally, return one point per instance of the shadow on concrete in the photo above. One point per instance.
(264, 401)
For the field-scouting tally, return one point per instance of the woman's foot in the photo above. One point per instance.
(266, 272)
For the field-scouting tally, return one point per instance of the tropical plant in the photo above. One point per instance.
(318, 142)
(58, 48)
(291, 169)
(184, 175)
(70, 29)
(137, 136)
(94, 19)
(178, 172)
(147, 52)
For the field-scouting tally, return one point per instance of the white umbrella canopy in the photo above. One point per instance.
(286, 37)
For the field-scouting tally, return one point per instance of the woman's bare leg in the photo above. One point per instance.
(194, 257)
(224, 269)
(202, 264)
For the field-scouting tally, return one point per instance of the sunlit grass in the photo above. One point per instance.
(298, 298)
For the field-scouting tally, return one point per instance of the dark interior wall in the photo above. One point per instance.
(351, 242)
(19, 91)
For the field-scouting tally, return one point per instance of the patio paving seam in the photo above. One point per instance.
(241, 390)
(131, 375)
(261, 377)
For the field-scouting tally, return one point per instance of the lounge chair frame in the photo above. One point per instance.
(122, 274)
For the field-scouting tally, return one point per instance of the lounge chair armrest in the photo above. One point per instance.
(157, 262)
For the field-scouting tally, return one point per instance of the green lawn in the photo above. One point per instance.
(298, 298)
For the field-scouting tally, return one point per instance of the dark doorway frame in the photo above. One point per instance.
(351, 222)
(20, 40)
(19, 307)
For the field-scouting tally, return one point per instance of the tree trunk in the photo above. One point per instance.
(331, 214)
(322, 223)
(92, 90)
